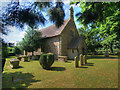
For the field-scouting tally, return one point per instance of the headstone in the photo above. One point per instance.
(84, 59)
(81, 59)
(14, 63)
(76, 62)
(62, 58)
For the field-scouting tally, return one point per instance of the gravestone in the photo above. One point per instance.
(62, 58)
(81, 59)
(76, 62)
(85, 59)
(14, 63)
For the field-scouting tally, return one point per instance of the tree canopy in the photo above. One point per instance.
(31, 41)
(17, 14)
(103, 18)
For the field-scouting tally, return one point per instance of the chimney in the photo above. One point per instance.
(71, 15)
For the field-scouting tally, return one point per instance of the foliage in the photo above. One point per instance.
(57, 14)
(17, 50)
(31, 14)
(31, 41)
(103, 18)
(91, 39)
(46, 60)
(10, 49)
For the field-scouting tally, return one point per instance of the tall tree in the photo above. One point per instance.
(104, 17)
(91, 39)
(31, 41)
(17, 14)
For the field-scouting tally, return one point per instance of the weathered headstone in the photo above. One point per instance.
(76, 62)
(62, 58)
(81, 59)
(14, 63)
(84, 59)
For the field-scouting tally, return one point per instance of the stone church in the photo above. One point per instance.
(63, 41)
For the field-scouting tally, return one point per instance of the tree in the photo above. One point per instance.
(32, 15)
(91, 39)
(17, 50)
(102, 17)
(31, 41)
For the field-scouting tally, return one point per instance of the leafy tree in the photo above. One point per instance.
(31, 41)
(32, 15)
(92, 41)
(102, 17)
(17, 50)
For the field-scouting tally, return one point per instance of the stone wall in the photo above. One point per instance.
(68, 33)
(52, 46)
(72, 53)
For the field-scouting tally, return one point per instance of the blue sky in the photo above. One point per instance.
(16, 35)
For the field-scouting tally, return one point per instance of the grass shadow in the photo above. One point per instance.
(17, 80)
(68, 62)
(101, 57)
(57, 69)
(18, 67)
(83, 67)
(89, 64)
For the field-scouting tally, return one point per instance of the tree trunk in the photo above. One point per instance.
(107, 53)
(111, 49)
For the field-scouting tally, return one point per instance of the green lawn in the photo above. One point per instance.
(100, 72)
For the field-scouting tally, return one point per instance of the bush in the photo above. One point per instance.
(46, 60)
(17, 50)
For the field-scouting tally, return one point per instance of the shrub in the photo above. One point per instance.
(17, 50)
(46, 60)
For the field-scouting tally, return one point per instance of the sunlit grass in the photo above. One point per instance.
(98, 73)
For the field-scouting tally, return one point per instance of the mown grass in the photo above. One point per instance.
(98, 73)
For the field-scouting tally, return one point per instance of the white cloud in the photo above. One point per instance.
(15, 34)
(66, 1)
(66, 10)
(22, 34)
